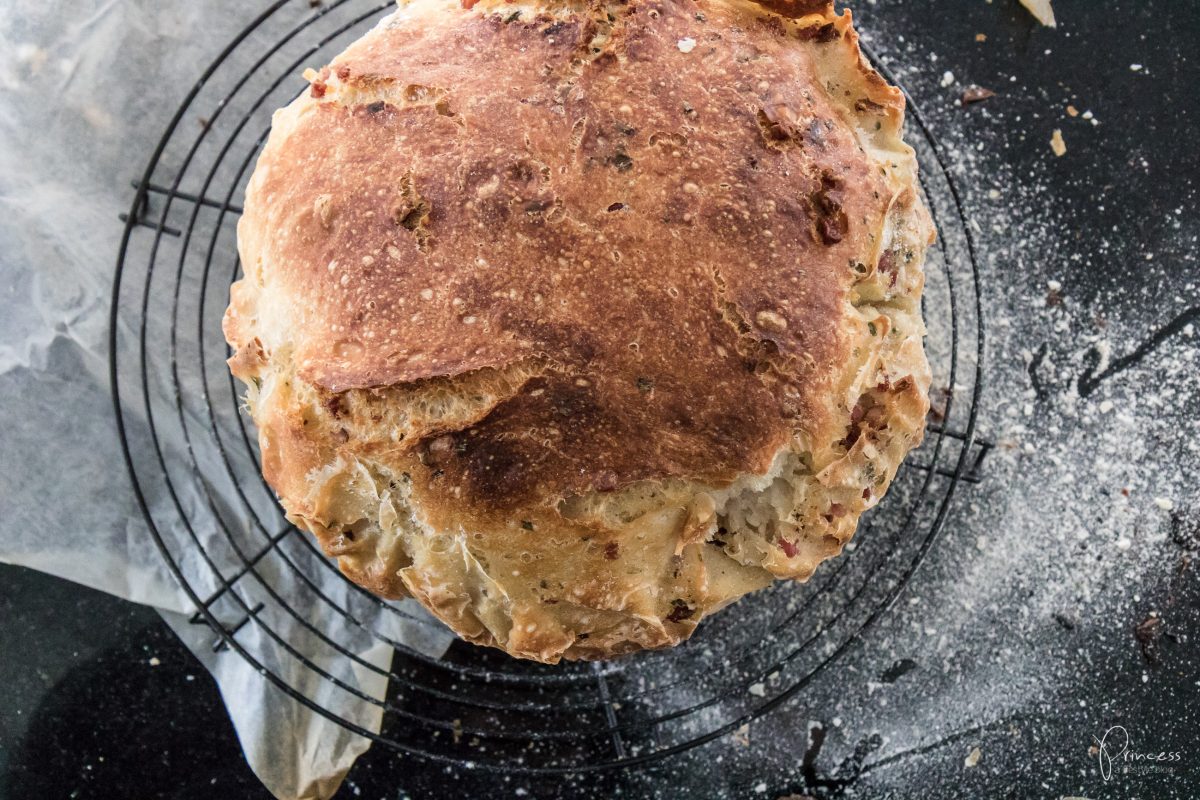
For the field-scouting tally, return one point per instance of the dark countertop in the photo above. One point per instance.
(102, 701)
(99, 700)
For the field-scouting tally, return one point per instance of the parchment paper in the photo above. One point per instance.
(86, 89)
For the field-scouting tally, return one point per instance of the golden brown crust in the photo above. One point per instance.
(537, 307)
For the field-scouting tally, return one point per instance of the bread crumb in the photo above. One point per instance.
(1057, 144)
(975, 94)
(741, 736)
(981, 37)
(154, 662)
(1072, 111)
(687, 45)
(97, 117)
(972, 758)
(1163, 503)
(1041, 11)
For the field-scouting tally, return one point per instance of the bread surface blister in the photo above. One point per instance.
(577, 322)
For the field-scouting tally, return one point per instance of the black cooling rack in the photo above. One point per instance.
(269, 594)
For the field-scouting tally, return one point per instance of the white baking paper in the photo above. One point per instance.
(86, 89)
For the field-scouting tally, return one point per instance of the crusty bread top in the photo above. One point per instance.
(547, 280)
(681, 266)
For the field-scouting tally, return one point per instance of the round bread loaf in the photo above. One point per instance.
(576, 322)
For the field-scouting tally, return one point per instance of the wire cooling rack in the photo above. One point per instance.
(269, 594)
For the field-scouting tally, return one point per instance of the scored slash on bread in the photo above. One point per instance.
(575, 333)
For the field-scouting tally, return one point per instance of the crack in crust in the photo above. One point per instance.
(412, 213)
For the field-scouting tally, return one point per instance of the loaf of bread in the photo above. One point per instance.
(577, 321)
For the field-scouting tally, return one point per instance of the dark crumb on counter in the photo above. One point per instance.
(1065, 620)
(897, 670)
(1148, 633)
(976, 94)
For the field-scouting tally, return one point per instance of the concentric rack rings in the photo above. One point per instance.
(269, 594)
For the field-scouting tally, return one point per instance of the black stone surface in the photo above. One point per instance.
(99, 700)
